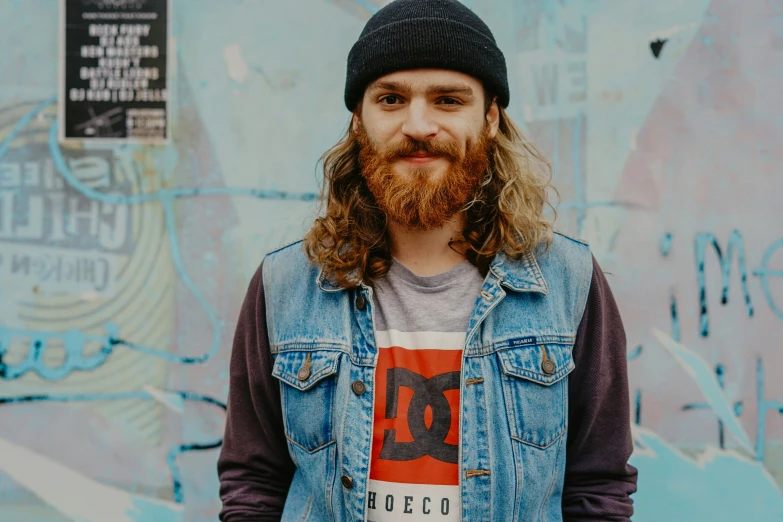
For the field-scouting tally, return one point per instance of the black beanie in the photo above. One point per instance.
(414, 34)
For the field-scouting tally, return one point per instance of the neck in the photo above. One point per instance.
(427, 252)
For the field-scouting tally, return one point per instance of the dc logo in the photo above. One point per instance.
(426, 392)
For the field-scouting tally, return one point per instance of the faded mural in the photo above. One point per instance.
(122, 268)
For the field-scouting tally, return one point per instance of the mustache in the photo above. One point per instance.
(408, 147)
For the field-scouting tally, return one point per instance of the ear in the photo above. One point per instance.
(355, 122)
(493, 118)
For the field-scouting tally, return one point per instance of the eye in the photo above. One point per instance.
(392, 97)
(451, 101)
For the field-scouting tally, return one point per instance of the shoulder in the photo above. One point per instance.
(567, 244)
(288, 265)
(567, 255)
(567, 266)
(287, 249)
(292, 253)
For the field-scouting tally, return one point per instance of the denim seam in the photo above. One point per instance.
(319, 448)
(316, 377)
(503, 345)
(271, 326)
(278, 249)
(299, 346)
(539, 446)
(583, 288)
(551, 487)
(536, 377)
(309, 508)
(575, 240)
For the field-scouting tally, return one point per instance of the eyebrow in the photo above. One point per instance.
(405, 88)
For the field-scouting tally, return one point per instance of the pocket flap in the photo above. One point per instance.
(541, 363)
(303, 370)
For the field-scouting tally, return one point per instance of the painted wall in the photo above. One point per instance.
(663, 123)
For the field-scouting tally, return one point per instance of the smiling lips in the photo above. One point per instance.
(419, 158)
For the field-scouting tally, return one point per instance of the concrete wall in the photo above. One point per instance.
(667, 161)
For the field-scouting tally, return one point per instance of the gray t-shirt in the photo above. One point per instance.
(420, 328)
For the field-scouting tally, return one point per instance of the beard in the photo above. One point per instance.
(415, 199)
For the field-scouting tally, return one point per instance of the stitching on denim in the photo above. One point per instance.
(499, 346)
(319, 448)
(551, 487)
(278, 249)
(315, 378)
(309, 508)
(528, 443)
(311, 346)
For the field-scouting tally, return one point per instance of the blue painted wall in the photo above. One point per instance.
(122, 268)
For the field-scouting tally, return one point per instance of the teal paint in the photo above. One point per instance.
(686, 488)
(253, 145)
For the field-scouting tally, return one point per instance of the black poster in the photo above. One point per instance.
(113, 84)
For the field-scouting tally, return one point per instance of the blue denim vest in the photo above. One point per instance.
(512, 424)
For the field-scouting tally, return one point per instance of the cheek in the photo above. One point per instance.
(383, 132)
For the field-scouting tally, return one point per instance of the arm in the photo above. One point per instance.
(598, 478)
(254, 466)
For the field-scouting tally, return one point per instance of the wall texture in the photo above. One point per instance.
(663, 123)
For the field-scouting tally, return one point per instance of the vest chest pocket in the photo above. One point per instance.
(307, 395)
(535, 391)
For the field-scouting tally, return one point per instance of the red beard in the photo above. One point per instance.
(414, 200)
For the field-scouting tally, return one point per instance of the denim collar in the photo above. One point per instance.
(520, 275)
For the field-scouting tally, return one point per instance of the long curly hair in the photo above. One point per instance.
(349, 239)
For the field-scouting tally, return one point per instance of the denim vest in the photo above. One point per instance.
(512, 424)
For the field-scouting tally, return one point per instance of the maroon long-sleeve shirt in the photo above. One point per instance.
(255, 468)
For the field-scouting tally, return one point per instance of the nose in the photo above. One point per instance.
(418, 124)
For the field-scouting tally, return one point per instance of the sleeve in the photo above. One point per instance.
(598, 478)
(254, 467)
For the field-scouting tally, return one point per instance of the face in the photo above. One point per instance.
(424, 137)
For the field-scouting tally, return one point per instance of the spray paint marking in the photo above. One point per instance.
(656, 46)
(75, 342)
(635, 353)
(720, 375)
(701, 372)
(666, 244)
(84, 499)
(764, 406)
(764, 274)
(676, 332)
(735, 241)
(171, 458)
(638, 407)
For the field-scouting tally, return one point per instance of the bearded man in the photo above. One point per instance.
(431, 350)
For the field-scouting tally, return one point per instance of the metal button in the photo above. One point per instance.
(358, 387)
(304, 372)
(361, 303)
(347, 481)
(548, 366)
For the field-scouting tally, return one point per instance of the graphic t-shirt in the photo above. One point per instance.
(421, 324)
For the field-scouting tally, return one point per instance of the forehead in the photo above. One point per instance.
(420, 79)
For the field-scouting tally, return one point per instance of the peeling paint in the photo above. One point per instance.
(237, 68)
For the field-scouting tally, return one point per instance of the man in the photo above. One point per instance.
(431, 351)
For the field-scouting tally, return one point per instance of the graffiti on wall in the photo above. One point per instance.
(122, 268)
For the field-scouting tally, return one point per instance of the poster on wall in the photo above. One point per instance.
(113, 71)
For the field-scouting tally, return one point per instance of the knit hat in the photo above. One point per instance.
(413, 34)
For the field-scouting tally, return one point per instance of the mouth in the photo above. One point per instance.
(420, 158)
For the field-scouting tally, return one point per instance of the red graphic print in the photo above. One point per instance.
(416, 428)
